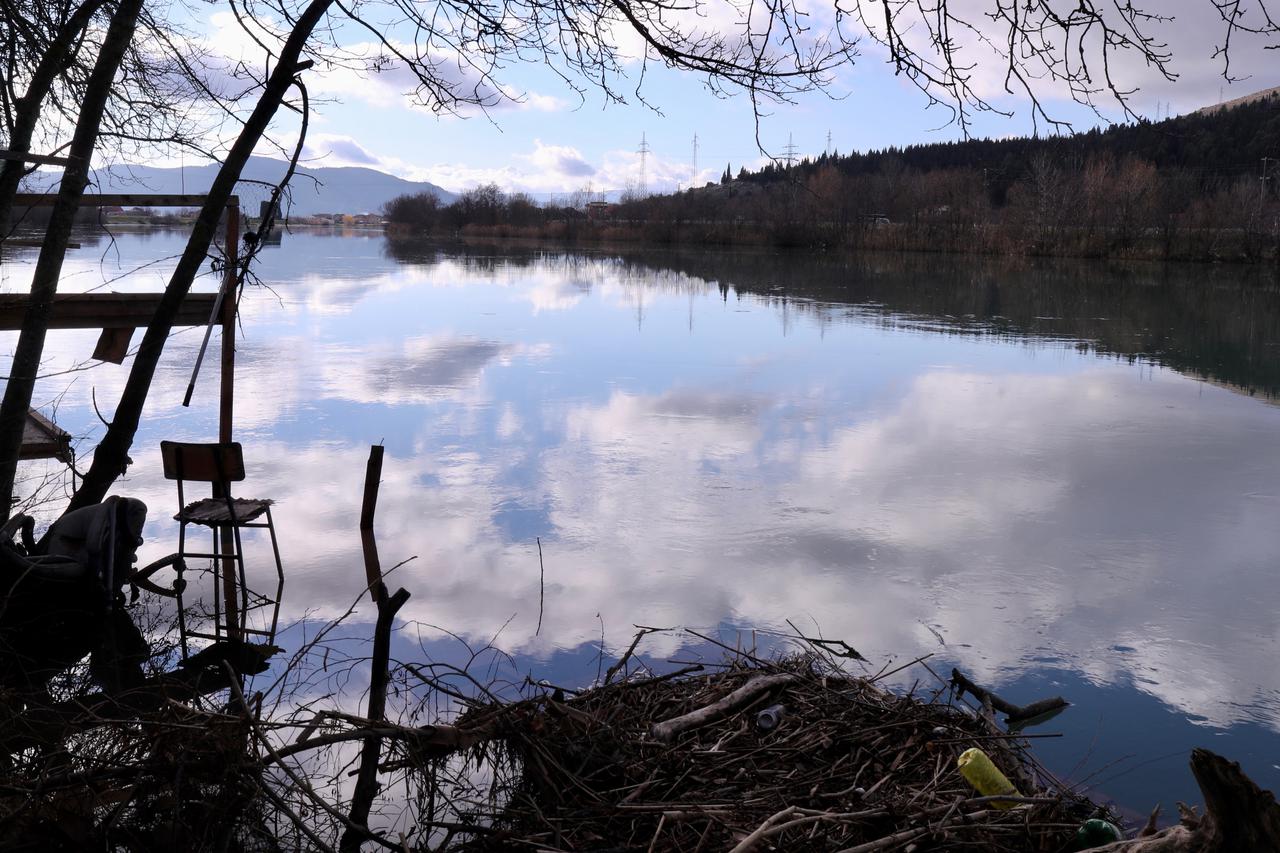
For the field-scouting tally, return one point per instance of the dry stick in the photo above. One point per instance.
(366, 787)
(542, 584)
(771, 827)
(622, 661)
(368, 506)
(1016, 713)
(903, 836)
(749, 842)
(302, 784)
(657, 832)
(667, 730)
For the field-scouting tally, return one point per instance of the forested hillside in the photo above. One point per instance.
(1198, 187)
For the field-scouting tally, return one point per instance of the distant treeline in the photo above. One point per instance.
(1198, 187)
(484, 207)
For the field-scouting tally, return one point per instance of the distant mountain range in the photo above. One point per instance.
(313, 190)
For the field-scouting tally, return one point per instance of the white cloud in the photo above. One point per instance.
(334, 150)
(561, 160)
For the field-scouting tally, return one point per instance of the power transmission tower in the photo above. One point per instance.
(1262, 182)
(643, 151)
(789, 153)
(828, 142)
(695, 160)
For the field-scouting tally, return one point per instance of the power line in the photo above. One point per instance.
(643, 151)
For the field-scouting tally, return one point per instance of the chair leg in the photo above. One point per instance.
(275, 550)
(243, 620)
(180, 568)
(217, 585)
(180, 585)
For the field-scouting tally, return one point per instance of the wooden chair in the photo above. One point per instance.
(221, 465)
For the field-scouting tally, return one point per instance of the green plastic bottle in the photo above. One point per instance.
(1096, 832)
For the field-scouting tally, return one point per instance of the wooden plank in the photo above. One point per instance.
(27, 157)
(27, 243)
(118, 200)
(113, 344)
(105, 310)
(43, 439)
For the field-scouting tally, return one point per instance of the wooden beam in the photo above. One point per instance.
(27, 157)
(43, 439)
(105, 310)
(35, 244)
(118, 200)
(113, 344)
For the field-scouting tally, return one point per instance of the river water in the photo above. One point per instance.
(1062, 477)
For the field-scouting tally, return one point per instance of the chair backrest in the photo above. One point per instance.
(205, 463)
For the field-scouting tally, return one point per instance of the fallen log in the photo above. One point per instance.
(1014, 713)
(667, 730)
(1238, 816)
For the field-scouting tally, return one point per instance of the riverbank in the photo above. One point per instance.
(1185, 245)
(808, 750)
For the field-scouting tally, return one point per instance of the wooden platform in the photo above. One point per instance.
(43, 439)
(105, 310)
(116, 200)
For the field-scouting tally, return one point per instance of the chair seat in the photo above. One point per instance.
(213, 512)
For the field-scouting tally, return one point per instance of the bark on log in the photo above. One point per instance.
(1239, 816)
(667, 730)
(1016, 713)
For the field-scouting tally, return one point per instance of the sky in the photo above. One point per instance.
(550, 139)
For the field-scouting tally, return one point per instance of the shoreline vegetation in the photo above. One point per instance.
(802, 749)
(1200, 187)
(1107, 209)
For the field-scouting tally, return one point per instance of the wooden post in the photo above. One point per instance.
(229, 306)
(366, 787)
(226, 406)
(372, 565)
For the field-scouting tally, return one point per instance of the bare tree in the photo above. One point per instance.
(44, 282)
(459, 52)
(37, 51)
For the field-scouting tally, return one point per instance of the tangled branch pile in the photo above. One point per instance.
(683, 762)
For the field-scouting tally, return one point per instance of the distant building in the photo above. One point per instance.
(597, 210)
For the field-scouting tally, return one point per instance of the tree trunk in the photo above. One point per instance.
(44, 282)
(27, 115)
(112, 453)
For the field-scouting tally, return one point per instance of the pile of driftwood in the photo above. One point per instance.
(803, 752)
(792, 754)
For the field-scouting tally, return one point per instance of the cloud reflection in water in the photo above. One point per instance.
(690, 456)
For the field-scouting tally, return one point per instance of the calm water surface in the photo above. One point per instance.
(1063, 478)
